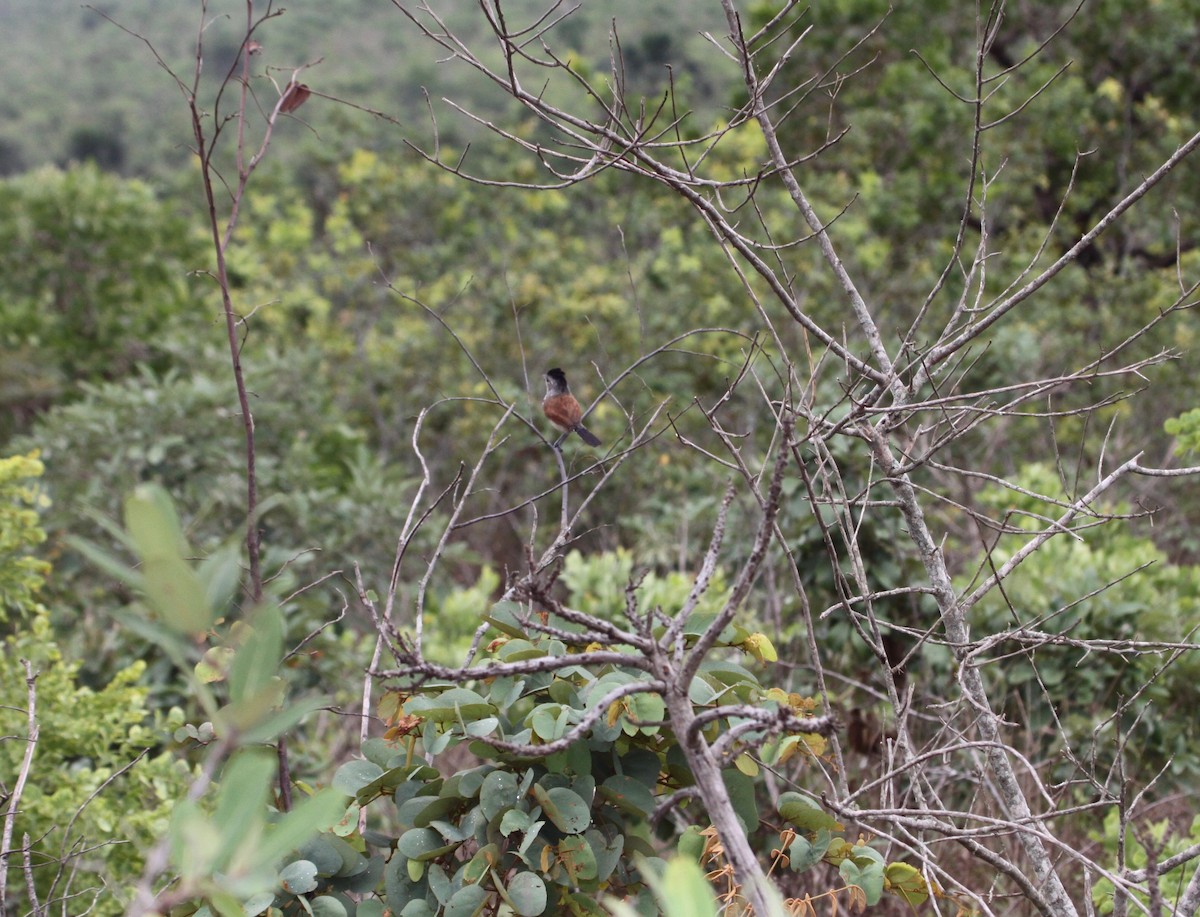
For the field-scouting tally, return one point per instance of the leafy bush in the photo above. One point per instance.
(93, 269)
(182, 431)
(1136, 846)
(21, 572)
(1160, 604)
(552, 832)
(101, 786)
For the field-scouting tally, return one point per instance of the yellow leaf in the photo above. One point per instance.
(760, 647)
(746, 765)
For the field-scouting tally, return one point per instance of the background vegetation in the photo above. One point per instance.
(370, 274)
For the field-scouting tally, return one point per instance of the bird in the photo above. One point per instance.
(561, 408)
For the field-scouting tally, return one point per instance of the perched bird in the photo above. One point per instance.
(562, 409)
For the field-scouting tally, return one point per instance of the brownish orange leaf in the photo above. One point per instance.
(293, 97)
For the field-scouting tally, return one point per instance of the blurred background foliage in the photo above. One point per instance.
(355, 257)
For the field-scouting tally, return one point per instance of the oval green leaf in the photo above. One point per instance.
(527, 892)
(498, 792)
(806, 814)
(354, 775)
(466, 902)
(565, 808)
(298, 878)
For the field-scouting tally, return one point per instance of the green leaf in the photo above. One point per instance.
(565, 809)
(499, 792)
(379, 751)
(256, 661)
(517, 650)
(354, 775)
(628, 795)
(471, 781)
(108, 564)
(241, 802)
(423, 844)
(806, 814)
(225, 903)
(691, 843)
(746, 764)
(348, 823)
(399, 889)
(701, 693)
(172, 586)
(548, 721)
(321, 853)
(504, 619)
(594, 692)
(483, 727)
(367, 880)
(310, 817)
(532, 838)
(466, 902)
(743, 795)
(607, 851)
(439, 883)
(195, 841)
(868, 877)
(450, 706)
(907, 882)
(583, 906)
(441, 805)
(760, 647)
(577, 858)
(255, 729)
(256, 904)
(682, 890)
(327, 906)
(214, 664)
(527, 891)
(647, 711)
(372, 907)
(477, 867)
(805, 854)
(515, 820)
(299, 877)
(221, 573)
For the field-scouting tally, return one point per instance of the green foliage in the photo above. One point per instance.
(1161, 603)
(896, 180)
(597, 585)
(1186, 430)
(561, 827)
(93, 290)
(92, 270)
(101, 787)
(109, 103)
(1165, 841)
(539, 834)
(21, 572)
(181, 430)
(101, 782)
(549, 833)
(233, 854)
(228, 851)
(680, 891)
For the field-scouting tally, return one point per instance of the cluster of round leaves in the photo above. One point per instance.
(536, 834)
(541, 835)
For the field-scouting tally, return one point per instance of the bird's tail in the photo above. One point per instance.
(586, 435)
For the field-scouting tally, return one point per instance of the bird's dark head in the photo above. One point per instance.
(556, 382)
